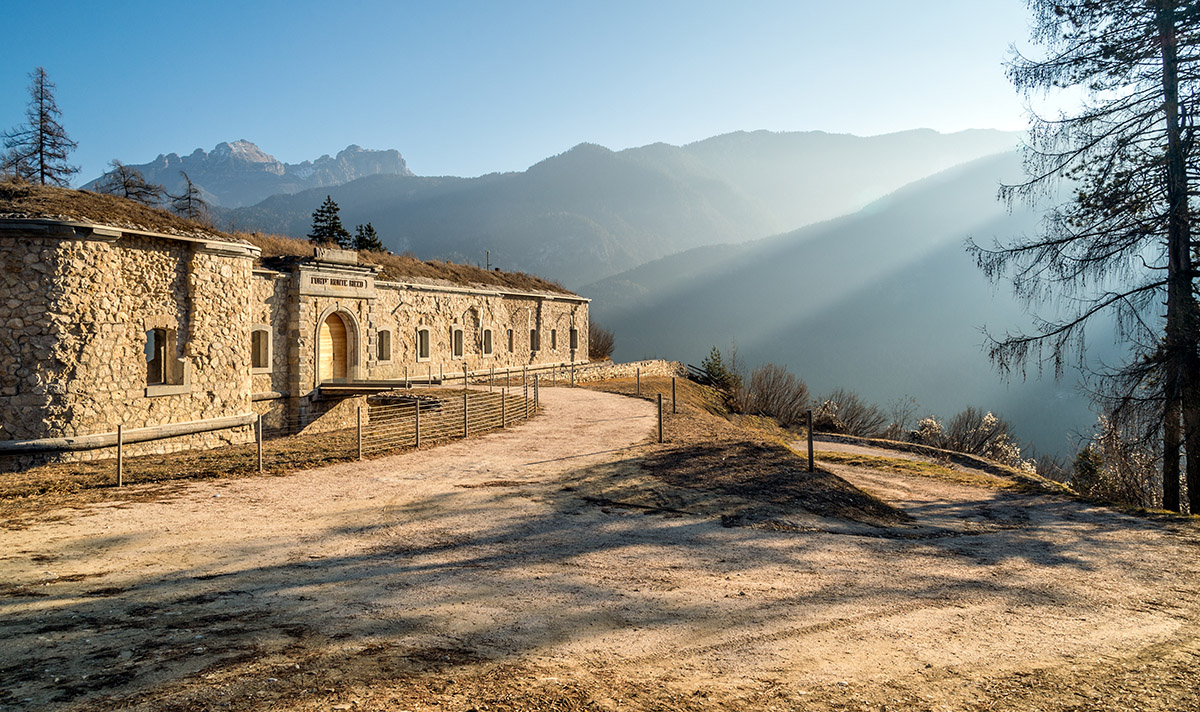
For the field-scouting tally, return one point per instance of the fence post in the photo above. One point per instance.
(507, 375)
(526, 401)
(492, 379)
(572, 375)
(259, 438)
(406, 383)
(464, 415)
(639, 381)
(673, 411)
(660, 417)
(464, 375)
(525, 379)
(535, 391)
(120, 455)
(808, 417)
(441, 376)
(503, 395)
(359, 429)
(429, 374)
(417, 415)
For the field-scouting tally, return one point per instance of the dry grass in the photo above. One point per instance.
(26, 200)
(917, 467)
(406, 268)
(29, 201)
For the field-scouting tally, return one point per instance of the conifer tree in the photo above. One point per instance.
(1122, 246)
(37, 151)
(327, 226)
(366, 239)
(189, 204)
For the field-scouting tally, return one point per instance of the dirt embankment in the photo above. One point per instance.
(574, 563)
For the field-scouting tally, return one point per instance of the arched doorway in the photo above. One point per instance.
(331, 352)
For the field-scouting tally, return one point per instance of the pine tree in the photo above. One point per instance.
(128, 182)
(327, 226)
(1122, 246)
(366, 239)
(38, 150)
(190, 204)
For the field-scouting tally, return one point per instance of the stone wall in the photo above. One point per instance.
(77, 316)
(605, 370)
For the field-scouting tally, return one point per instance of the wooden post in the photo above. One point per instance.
(572, 375)
(120, 455)
(359, 428)
(525, 379)
(639, 381)
(429, 374)
(535, 391)
(526, 402)
(507, 376)
(673, 411)
(660, 417)
(464, 375)
(492, 379)
(406, 383)
(464, 414)
(259, 438)
(417, 415)
(503, 396)
(808, 417)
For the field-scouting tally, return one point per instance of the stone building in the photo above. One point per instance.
(112, 315)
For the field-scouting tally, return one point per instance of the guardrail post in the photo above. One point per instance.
(535, 391)
(359, 429)
(417, 415)
(120, 455)
(258, 436)
(526, 402)
(464, 414)
(503, 396)
(660, 439)
(808, 417)
(673, 411)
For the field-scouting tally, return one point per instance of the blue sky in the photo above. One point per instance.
(466, 88)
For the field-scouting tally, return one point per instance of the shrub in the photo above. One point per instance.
(600, 342)
(775, 392)
(844, 411)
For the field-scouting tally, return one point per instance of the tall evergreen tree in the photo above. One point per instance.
(37, 151)
(1122, 245)
(366, 239)
(128, 182)
(327, 225)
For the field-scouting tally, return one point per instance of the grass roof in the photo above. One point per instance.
(19, 200)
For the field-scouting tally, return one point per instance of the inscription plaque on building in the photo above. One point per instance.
(327, 283)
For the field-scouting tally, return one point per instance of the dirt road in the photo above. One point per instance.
(485, 575)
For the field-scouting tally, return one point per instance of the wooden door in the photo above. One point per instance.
(331, 352)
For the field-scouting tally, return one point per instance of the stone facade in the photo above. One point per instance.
(104, 326)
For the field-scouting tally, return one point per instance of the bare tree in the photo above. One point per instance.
(37, 151)
(1121, 247)
(189, 204)
(128, 182)
(776, 392)
(600, 342)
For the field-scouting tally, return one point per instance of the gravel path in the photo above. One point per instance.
(305, 591)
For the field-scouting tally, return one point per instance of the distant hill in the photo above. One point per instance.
(885, 302)
(240, 173)
(591, 212)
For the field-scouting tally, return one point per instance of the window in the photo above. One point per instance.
(423, 344)
(383, 346)
(574, 336)
(535, 343)
(487, 342)
(156, 357)
(554, 339)
(456, 343)
(510, 341)
(260, 350)
(166, 373)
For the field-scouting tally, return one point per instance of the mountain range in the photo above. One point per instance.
(240, 173)
(591, 212)
(885, 302)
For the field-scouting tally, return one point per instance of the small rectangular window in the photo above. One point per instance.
(487, 342)
(574, 338)
(384, 346)
(422, 344)
(534, 341)
(554, 339)
(510, 341)
(260, 349)
(456, 344)
(156, 357)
